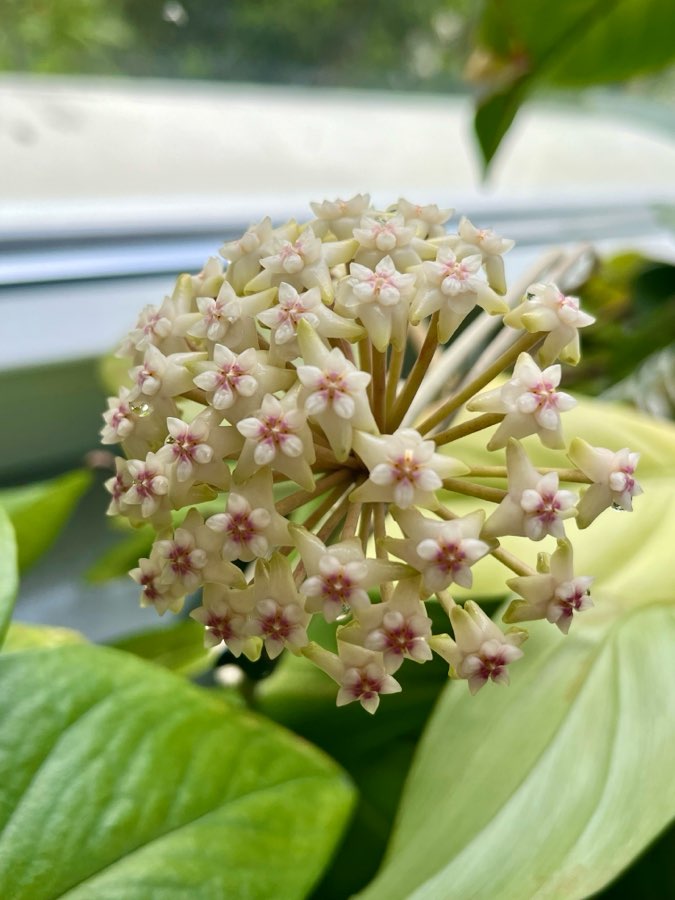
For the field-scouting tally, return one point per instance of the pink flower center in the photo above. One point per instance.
(180, 560)
(276, 624)
(337, 588)
(400, 639)
(220, 626)
(405, 468)
(274, 430)
(240, 528)
(449, 557)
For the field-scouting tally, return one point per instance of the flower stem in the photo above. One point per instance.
(481, 491)
(351, 522)
(335, 518)
(525, 342)
(379, 519)
(299, 498)
(379, 386)
(394, 375)
(512, 562)
(570, 475)
(364, 524)
(416, 375)
(365, 363)
(478, 423)
(324, 507)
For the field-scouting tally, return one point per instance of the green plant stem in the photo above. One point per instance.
(393, 377)
(364, 524)
(469, 427)
(379, 526)
(379, 386)
(416, 376)
(324, 507)
(525, 342)
(572, 475)
(481, 491)
(299, 498)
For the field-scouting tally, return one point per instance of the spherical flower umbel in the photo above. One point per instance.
(287, 431)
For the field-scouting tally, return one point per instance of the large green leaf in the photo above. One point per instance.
(548, 789)
(9, 577)
(119, 779)
(39, 511)
(577, 43)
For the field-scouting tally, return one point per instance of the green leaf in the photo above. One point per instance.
(39, 511)
(494, 116)
(122, 556)
(119, 779)
(577, 43)
(375, 750)
(24, 636)
(551, 787)
(179, 647)
(9, 576)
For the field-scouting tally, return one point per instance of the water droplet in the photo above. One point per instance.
(141, 409)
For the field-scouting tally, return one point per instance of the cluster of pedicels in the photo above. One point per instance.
(270, 440)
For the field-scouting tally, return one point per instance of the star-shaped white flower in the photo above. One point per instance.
(250, 526)
(236, 383)
(160, 375)
(278, 615)
(404, 468)
(546, 309)
(291, 308)
(443, 552)
(227, 319)
(613, 476)
(196, 450)
(381, 300)
(340, 217)
(491, 247)
(480, 651)
(535, 505)
(333, 391)
(339, 575)
(427, 220)
(453, 287)
(399, 628)
(555, 594)
(277, 435)
(531, 404)
(149, 484)
(361, 673)
(224, 614)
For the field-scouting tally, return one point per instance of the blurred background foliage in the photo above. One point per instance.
(496, 48)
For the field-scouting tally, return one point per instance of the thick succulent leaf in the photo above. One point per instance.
(9, 576)
(551, 787)
(40, 511)
(119, 779)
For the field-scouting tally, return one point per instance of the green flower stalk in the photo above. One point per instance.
(275, 387)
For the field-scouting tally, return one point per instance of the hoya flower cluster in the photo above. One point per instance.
(271, 440)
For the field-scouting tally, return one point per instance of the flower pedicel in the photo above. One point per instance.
(273, 387)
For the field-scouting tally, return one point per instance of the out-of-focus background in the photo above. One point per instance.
(135, 137)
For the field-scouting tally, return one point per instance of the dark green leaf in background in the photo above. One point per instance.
(577, 43)
(39, 511)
